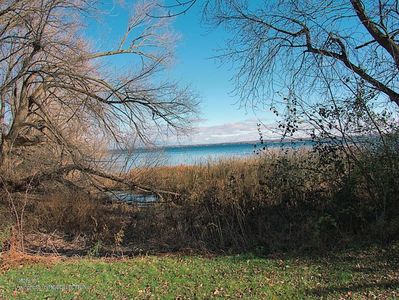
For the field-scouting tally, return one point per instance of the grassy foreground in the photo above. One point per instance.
(371, 274)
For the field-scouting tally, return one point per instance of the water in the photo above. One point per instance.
(197, 154)
(141, 200)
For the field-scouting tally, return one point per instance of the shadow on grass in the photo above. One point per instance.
(358, 287)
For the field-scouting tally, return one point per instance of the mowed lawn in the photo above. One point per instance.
(356, 274)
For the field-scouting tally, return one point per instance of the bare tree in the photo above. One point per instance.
(333, 68)
(285, 45)
(58, 102)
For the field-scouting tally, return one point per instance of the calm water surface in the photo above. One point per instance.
(197, 154)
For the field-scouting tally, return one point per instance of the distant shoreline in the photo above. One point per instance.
(257, 142)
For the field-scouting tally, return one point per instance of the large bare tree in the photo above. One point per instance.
(60, 103)
(295, 43)
(286, 41)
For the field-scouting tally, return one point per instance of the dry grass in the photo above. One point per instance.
(267, 204)
(14, 257)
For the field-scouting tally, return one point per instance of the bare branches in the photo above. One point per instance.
(380, 37)
(56, 97)
(174, 8)
(276, 44)
(33, 181)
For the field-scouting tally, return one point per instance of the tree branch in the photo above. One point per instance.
(384, 40)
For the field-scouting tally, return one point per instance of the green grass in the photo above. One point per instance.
(356, 274)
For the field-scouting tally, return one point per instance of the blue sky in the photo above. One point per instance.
(220, 119)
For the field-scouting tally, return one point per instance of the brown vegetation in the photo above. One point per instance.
(269, 203)
(59, 114)
(61, 110)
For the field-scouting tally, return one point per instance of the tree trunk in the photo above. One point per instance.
(2, 129)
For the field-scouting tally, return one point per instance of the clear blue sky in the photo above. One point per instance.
(221, 120)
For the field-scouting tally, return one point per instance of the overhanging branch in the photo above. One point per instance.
(36, 180)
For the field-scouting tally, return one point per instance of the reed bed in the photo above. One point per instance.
(272, 202)
(288, 200)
